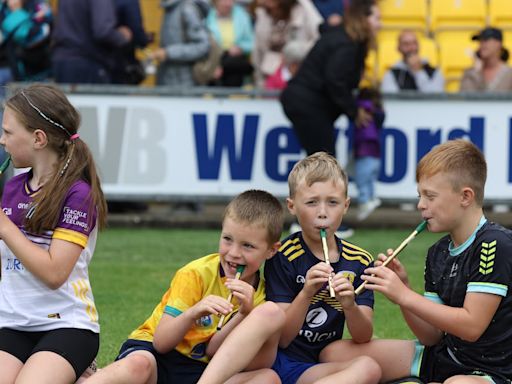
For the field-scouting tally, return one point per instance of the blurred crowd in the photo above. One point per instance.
(229, 43)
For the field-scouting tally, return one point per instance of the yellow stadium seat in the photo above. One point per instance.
(399, 14)
(457, 14)
(500, 14)
(388, 53)
(370, 75)
(152, 18)
(456, 53)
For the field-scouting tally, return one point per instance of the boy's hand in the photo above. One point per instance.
(316, 277)
(211, 304)
(244, 292)
(395, 265)
(344, 291)
(386, 282)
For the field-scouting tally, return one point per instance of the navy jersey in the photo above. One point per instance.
(483, 264)
(285, 275)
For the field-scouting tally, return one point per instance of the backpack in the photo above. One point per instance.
(203, 69)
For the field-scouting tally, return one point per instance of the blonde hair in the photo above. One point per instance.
(45, 107)
(257, 207)
(318, 167)
(462, 160)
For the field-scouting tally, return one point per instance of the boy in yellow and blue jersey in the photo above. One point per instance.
(177, 341)
(297, 280)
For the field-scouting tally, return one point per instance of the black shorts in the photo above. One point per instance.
(173, 367)
(78, 346)
(437, 365)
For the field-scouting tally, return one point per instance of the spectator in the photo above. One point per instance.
(293, 55)
(127, 69)
(330, 10)
(84, 40)
(183, 41)
(25, 26)
(231, 26)
(490, 72)
(278, 22)
(323, 87)
(412, 73)
(367, 152)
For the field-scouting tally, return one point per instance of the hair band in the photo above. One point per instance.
(74, 137)
(43, 115)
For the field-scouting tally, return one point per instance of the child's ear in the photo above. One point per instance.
(347, 204)
(290, 205)
(40, 138)
(273, 249)
(467, 196)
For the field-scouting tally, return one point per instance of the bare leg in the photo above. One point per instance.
(251, 345)
(11, 367)
(394, 356)
(266, 375)
(461, 379)
(138, 367)
(362, 370)
(46, 368)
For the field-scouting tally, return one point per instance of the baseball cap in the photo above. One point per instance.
(489, 33)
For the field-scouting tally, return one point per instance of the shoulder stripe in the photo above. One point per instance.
(358, 257)
(296, 254)
(354, 249)
(288, 243)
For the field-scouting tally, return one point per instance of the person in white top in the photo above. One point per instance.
(412, 73)
(49, 329)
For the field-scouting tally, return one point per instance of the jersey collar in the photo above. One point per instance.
(455, 251)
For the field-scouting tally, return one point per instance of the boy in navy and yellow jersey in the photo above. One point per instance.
(297, 280)
(177, 341)
(463, 319)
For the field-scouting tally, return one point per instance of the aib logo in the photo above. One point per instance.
(316, 317)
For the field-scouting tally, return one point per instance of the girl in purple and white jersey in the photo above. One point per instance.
(49, 330)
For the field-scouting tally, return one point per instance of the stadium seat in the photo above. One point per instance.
(400, 14)
(152, 17)
(370, 75)
(456, 53)
(457, 14)
(388, 53)
(500, 14)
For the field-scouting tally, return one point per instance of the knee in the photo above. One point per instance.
(270, 314)
(459, 379)
(369, 368)
(139, 366)
(270, 377)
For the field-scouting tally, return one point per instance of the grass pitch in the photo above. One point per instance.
(132, 268)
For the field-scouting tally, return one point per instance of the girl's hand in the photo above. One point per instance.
(344, 291)
(244, 292)
(316, 277)
(211, 304)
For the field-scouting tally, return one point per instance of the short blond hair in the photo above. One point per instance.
(318, 167)
(462, 161)
(257, 207)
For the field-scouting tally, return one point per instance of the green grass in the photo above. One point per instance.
(132, 268)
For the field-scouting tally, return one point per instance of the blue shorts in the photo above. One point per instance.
(289, 370)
